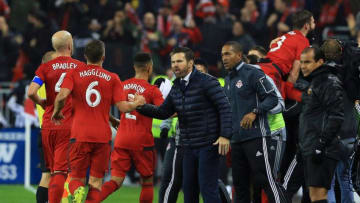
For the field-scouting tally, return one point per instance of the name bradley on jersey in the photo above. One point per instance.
(136, 87)
(63, 66)
(96, 73)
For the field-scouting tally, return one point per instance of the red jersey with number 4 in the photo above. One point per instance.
(94, 90)
(135, 129)
(287, 50)
(52, 75)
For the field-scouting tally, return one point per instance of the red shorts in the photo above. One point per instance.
(84, 155)
(143, 160)
(55, 144)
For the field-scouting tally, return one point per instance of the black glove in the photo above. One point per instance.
(164, 133)
(318, 151)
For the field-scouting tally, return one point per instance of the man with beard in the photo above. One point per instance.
(204, 121)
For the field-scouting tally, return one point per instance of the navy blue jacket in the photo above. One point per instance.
(247, 88)
(203, 110)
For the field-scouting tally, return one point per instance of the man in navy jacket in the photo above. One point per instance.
(253, 149)
(204, 121)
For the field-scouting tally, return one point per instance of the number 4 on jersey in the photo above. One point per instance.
(59, 82)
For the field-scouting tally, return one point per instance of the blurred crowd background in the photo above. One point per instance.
(155, 26)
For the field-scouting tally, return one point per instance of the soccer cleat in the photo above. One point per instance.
(79, 195)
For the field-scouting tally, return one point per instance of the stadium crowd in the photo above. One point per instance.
(292, 106)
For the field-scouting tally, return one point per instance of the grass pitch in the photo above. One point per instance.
(18, 194)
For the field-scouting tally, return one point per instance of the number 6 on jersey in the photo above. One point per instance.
(90, 91)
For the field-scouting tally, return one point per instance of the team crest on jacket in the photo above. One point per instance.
(309, 91)
(239, 84)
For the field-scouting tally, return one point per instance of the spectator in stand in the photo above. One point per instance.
(164, 19)
(181, 36)
(335, 13)
(70, 14)
(240, 35)
(19, 13)
(152, 41)
(8, 50)
(37, 37)
(215, 34)
(279, 21)
(120, 34)
(103, 10)
(4, 9)
(119, 29)
(254, 21)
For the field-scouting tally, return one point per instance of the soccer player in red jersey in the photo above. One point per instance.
(93, 90)
(55, 138)
(286, 51)
(134, 142)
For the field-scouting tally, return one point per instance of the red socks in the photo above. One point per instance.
(147, 193)
(74, 184)
(108, 188)
(56, 187)
(93, 196)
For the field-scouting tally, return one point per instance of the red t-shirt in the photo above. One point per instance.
(52, 74)
(135, 129)
(287, 50)
(94, 90)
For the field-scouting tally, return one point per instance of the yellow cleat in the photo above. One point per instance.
(79, 195)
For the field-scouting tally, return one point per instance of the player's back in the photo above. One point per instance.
(93, 93)
(288, 49)
(135, 129)
(52, 74)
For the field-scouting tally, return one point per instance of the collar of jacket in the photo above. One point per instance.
(238, 66)
(194, 71)
(322, 69)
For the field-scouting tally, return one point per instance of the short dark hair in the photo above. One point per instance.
(260, 49)
(300, 18)
(48, 56)
(142, 59)
(332, 49)
(189, 54)
(318, 53)
(235, 45)
(200, 61)
(94, 51)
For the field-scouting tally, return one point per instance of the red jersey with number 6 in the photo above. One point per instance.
(287, 50)
(135, 129)
(94, 90)
(52, 75)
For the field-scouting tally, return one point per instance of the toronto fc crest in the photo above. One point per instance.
(239, 84)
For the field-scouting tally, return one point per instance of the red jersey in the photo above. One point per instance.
(52, 75)
(135, 129)
(287, 50)
(94, 90)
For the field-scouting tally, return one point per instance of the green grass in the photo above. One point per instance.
(18, 194)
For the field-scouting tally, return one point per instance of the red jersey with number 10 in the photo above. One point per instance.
(52, 74)
(94, 90)
(287, 50)
(135, 129)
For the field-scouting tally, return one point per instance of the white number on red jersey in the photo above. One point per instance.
(129, 115)
(59, 82)
(90, 91)
(279, 43)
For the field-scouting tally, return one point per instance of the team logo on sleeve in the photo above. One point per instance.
(239, 84)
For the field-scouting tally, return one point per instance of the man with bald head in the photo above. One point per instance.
(55, 138)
